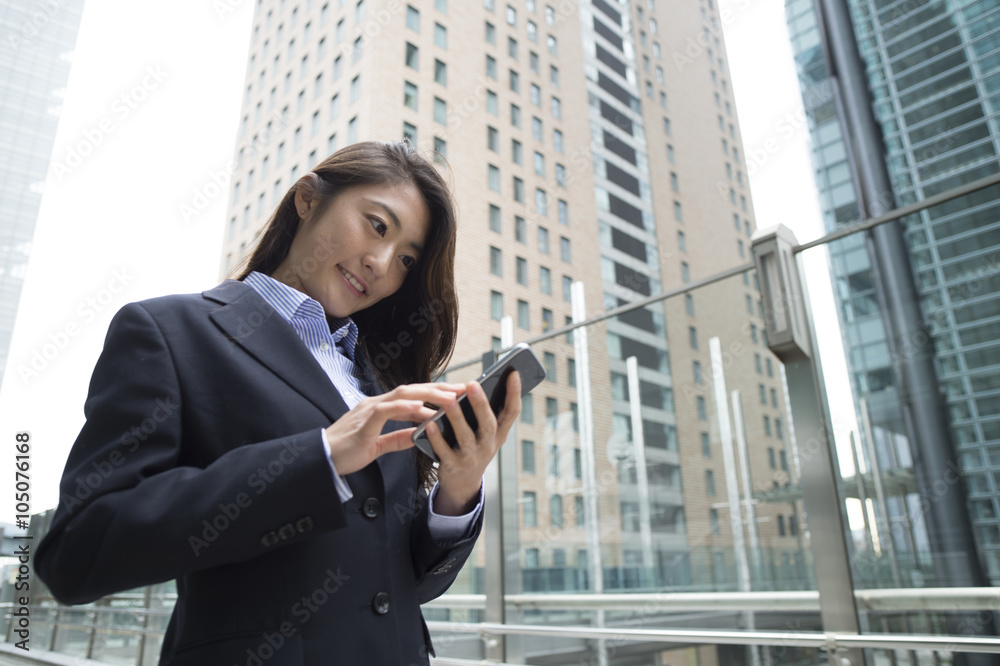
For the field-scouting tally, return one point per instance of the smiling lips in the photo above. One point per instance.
(353, 281)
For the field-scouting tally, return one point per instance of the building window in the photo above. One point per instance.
(515, 115)
(412, 56)
(523, 315)
(706, 445)
(564, 249)
(440, 72)
(495, 224)
(491, 67)
(496, 305)
(713, 521)
(496, 261)
(709, 483)
(491, 33)
(494, 178)
(516, 153)
(440, 111)
(520, 229)
(512, 47)
(511, 15)
(548, 320)
(544, 280)
(543, 240)
(410, 133)
(556, 510)
(518, 190)
(702, 411)
(767, 425)
(527, 409)
(527, 456)
(696, 371)
(412, 18)
(693, 337)
(522, 271)
(530, 514)
(440, 35)
(541, 202)
(492, 103)
(440, 150)
(492, 139)
(410, 95)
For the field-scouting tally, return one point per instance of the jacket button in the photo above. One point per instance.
(381, 603)
(371, 507)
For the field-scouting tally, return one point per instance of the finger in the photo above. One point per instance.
(463, 431)
(441, 447)
(431, 393)
(397, 410)
(483, 411)
(512, 405)
(397, 440)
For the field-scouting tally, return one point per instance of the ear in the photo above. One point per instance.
(303, 201)
(305, 195)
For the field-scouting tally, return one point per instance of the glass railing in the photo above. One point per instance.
(653, 504)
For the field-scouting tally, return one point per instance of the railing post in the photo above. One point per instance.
(790, 338)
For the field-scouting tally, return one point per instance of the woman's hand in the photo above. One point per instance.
(356, 438)
(460, 471)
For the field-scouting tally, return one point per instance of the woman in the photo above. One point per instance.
(245, 441)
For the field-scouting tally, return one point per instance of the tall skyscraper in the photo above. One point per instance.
(36, 45)
(933, 77)
(594, 143)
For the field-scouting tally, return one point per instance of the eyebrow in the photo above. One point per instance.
(395, 220)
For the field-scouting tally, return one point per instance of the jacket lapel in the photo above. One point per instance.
(251, 322)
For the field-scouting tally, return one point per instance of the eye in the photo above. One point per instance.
(408, 261)
(379, 226)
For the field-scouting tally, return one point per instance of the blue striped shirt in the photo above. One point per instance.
(333, 348)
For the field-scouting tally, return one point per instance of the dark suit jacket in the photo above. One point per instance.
(201, 460)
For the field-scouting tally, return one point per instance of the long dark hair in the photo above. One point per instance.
(425, 307)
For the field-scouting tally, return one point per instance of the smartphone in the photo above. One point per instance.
(494, 383)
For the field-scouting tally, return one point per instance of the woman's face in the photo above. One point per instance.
(360, 249)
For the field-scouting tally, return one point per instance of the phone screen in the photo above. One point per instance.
(494, 383)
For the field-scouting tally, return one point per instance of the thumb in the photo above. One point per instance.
(397, 440)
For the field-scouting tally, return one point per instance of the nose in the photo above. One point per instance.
(378, 260)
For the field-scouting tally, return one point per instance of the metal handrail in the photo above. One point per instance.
(808, 639)
(875, 600)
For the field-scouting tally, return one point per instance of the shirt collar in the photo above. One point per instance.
(291, 304)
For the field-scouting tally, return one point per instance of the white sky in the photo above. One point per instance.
(151, 109)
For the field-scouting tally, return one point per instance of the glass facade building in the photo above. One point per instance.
(36, 44)
(933, 71)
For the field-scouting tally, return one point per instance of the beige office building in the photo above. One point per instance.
(593, 142)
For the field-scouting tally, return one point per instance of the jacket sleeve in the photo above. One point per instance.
(132, 513)
(436, 563)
